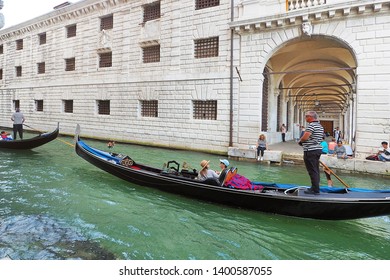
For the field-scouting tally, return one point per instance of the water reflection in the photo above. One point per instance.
(42, 237)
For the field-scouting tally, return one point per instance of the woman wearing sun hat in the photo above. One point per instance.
(205, 172)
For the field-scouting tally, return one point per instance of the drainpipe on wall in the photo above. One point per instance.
(231, 75)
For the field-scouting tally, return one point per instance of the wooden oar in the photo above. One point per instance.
(338, 178)
(63, 141)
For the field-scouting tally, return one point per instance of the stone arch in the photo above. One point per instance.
(321, 79)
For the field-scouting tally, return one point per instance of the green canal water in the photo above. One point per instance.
(55, 205)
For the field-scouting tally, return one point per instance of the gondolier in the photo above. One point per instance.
(312, 150)
(18, 119)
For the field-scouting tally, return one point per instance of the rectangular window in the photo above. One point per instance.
(67, 106)
(151, 54)
(39, 105)
(208, 47)
(16, 104)
(42, 38)
(103, 107)
(1, 49)
(107, 22)
(71, 31)
(201, 4)
(1, 74)
(149, 108)
(205, 110)
(152, 11)
(105, 59)
(70, 64)
(18, 71)
(41, 67)
(19, 44)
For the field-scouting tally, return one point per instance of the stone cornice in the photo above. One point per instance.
(66, 13)
(314, 13)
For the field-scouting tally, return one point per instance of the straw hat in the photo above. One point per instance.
(204, 163)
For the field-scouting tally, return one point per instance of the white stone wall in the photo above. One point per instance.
(175, 81)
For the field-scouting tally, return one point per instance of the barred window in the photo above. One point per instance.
(70, 64)
(18, 71)
(39, 105)
(1, 49)
(208, 47)
(103, 107)
(107, 22)
(67, 106)
(19, 44)
(201, 4)
(42, 38)
(149, 108)
(205, 110)
(1, 74)
(41, 67)
(16, 104)
(105, 59)
(152, 11)
(151, 54)
(71, 31)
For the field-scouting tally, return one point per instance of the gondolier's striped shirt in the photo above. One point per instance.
(317, 133)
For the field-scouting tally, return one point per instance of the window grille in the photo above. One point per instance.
(42, 38)
(41, 68)
(152, 11)
(1, 49)
(16, 104)
(1, 74)
(151, 54)
(71, 31)
(149, 108)
(70, 64)
(103, 107)
(202, 4)
(107, 22)
(19, 44)
(68, 106)
(105, 59)
(205, 110)
(208, 47)
(39, 105)
(18, 71)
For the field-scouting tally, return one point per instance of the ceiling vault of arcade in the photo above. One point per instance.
(316, 73)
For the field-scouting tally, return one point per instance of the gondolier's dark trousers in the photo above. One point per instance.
(18, 128)
(312, 163)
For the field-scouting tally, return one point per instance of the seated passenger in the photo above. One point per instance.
(223, 163)
(205, 172)
(384, 152)
(324, 145)
(340, 150)
(5, 136)
(331, 145)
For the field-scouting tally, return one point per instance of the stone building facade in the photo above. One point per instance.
(201, 74)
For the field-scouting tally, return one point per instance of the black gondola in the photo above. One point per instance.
(284, 199)
(30, 143)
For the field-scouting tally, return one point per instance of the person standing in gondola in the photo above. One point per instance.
(312, 150)
(18, 119)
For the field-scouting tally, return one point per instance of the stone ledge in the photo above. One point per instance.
(272, 156)
(358, 165)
